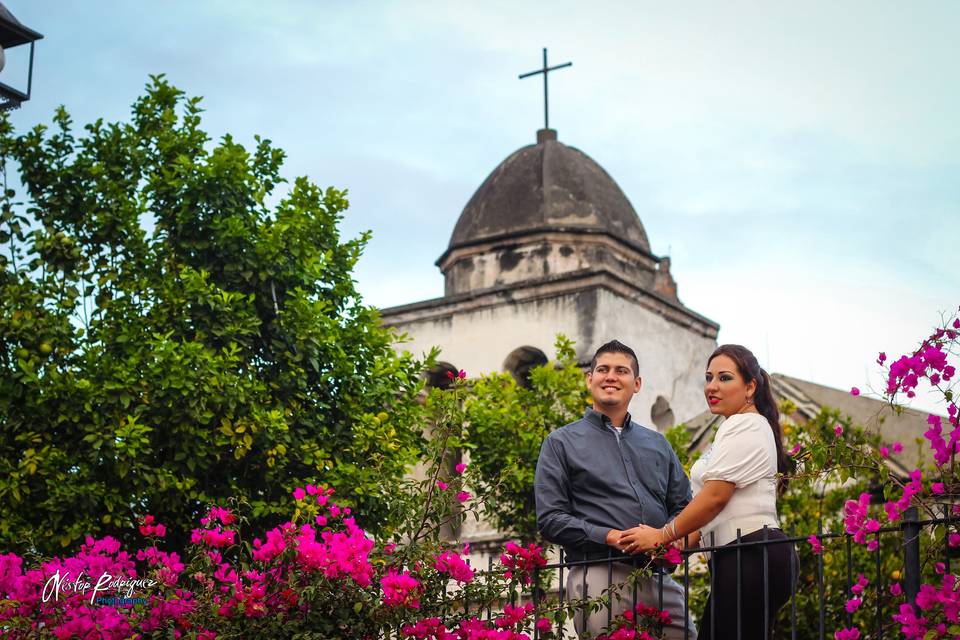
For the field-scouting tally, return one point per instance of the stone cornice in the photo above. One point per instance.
(545, 288)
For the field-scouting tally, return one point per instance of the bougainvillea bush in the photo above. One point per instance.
(317, 575)
(857, 515)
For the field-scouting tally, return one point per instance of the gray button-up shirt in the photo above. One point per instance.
(591, 479)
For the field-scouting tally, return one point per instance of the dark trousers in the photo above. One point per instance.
(719, 619)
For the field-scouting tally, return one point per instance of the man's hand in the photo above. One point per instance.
(613, 539)
(640, 539)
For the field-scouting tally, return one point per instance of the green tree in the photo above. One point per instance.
(506, 424)
(173, 334)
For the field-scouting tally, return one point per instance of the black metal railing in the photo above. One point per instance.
(821, 584)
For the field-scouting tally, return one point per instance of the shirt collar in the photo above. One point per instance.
(601, 420)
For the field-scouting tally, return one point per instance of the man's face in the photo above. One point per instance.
(612, 383)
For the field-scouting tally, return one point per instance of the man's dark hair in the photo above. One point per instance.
(615, 346)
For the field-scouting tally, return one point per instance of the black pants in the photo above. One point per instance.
(719, 619)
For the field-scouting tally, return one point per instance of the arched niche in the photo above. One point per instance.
(521, 360)
(662, 414)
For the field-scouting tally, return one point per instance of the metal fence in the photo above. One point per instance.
(820, 583)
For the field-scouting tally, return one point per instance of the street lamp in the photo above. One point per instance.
(12, 34)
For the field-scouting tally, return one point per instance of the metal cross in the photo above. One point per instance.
(545, 71)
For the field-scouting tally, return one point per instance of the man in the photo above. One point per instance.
(599, 478)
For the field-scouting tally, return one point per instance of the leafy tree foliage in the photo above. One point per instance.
(507, 422)
(172, 334)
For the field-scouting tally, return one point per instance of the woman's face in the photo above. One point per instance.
(724, 388)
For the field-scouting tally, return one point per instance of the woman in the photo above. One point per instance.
(735, 486)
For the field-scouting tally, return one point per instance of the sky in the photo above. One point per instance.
(797, 161)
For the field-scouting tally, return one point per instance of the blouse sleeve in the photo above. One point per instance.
(740, 455)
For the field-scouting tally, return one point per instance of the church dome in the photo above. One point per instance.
(548, 187)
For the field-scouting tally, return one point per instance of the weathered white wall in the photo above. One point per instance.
(672, 357)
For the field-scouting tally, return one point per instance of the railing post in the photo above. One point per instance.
(911, 554)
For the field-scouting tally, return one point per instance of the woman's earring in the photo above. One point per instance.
(749, 400)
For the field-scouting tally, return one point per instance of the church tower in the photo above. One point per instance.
(550, 244)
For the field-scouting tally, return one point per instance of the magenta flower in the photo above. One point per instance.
(452, 564)
(815, 543)
(896, 589)
(462, 374)
(897, 447)
(853, 633)
(854, 392)
(795, 450)
(401, 590)
(884, 452)
(853, 604)
(460, 467)
(938, 488)
(463, 496)
(299, 494)
(672, 555)
(441, 485)
(838, 430)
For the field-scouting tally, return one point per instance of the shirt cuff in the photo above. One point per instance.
(596, 534)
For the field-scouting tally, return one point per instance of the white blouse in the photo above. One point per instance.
(744, 453)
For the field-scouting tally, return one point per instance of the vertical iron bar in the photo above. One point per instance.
(739, 586)
(946, 540)
(766, 587)
(490, 569)
(536, 601)
(713, 589)
(820, 579)
(466, 599)
(560, 598)
(609, 583)
(911, 554)
(849, 553)
(879, 585)
(793, 586)
(583, 594)
(686, 589)
(660, 599)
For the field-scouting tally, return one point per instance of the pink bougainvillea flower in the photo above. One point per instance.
(311, 490)
(672, 555)
(896, 589)
(938, 488)
(543, 625)
(881, 358)
(853, 633)
(854, 391)
(463, 496)
(795, 450)
(897, 447)
(460, 468)
(452, 564)
(838, 430)
(884, 452)
(299, 494)
(853, 604)
(401, 590)
(954, 540)
(461, 374)
(815, 544)
(860, 585)
(441, 485)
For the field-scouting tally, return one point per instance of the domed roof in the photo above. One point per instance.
(548, 186)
